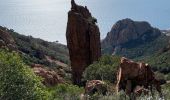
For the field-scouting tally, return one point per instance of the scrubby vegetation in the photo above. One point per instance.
(34, 50)
(66, 92)
(160, 62)
(104, 69)
(17, 81)
(38, 48)
(137, 50)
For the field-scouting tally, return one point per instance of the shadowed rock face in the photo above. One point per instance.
(6, 40)
(83, 40)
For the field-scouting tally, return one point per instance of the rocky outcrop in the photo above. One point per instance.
(127, 30)
(94, 86)
(83, 40)
(50, 77)
(6, 40)
(131, 74)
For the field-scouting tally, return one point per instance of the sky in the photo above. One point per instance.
(47, 19)
(156, 12)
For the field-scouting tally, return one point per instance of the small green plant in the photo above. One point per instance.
(66, 92)
(92, 20)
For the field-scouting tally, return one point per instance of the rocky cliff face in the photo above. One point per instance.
(6, 40)
(126, 31)
(83, 40)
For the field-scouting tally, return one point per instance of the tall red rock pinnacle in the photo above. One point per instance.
(83, 40)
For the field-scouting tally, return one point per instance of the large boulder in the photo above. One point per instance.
(83, 40)
(94, 86)
(131, 74)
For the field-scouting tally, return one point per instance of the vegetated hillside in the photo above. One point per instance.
(142, 50)
(37, 51)
(138, 41)
(161, 60)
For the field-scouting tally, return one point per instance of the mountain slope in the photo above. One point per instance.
(36, 51)
(134, 39)
(161, 60)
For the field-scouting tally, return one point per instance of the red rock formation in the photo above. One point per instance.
(131, 74)
(83, 40)
(50, 77)
(6, 40)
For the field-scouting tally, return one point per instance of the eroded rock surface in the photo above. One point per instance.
(50, 77)
(83, 40)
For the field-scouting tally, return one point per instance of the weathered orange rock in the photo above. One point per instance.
(50, 77)
(132, 74)
(83, 40)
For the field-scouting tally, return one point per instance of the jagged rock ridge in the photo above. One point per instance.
(83, 40)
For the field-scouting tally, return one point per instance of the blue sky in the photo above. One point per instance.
(47, 19)
(156, 12)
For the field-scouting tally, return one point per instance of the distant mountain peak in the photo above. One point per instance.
(127, 30)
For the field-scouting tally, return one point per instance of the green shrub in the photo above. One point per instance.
(17, 81)
(159, 75)
(104, 69)
(168, 76)
(66, 92)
